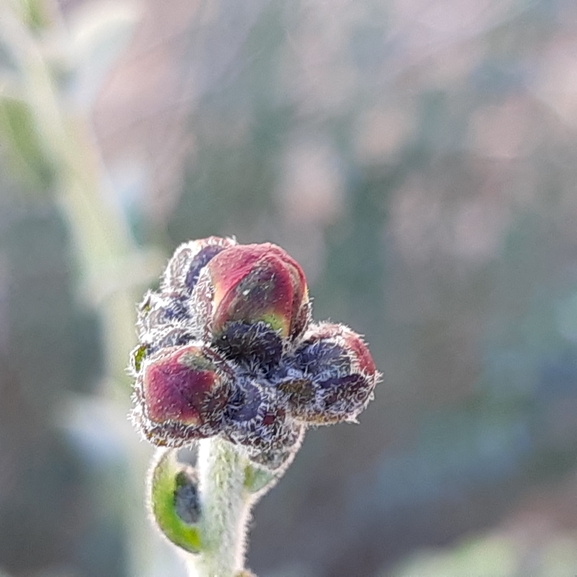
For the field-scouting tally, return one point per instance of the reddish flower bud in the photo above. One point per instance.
(257, 282)
(334, 378)
(342, 336)
(180, 395)
(222, 352)
(333, 336)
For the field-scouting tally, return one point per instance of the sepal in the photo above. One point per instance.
(174, 501)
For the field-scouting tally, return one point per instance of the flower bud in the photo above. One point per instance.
(188, 260)
(159, 312)
(333, 378)
(156, 341)
(257, 283)
(257, 420)
(255, 346)
(277, 459)
(180, 395)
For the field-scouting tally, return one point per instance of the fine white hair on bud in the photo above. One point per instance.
(262, 370)
(230, 362)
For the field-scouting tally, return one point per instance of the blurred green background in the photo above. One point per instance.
(417, 157)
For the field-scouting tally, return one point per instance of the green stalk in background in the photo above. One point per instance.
(51, 147)
(35, 107)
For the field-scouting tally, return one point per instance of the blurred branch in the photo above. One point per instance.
(49, 139)
(69, 154)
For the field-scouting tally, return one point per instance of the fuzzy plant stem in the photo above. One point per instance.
(99, 232)
(204, 509)
(225, 510)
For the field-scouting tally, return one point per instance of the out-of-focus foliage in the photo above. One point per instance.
(535, 551)
(66, 324)
(419, 159)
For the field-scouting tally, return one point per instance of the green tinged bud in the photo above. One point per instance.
(258, 282)
(181, 393)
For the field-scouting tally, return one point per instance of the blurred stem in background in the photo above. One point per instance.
(35, 107)
(51, 147)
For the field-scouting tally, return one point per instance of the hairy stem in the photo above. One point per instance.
(225, 506)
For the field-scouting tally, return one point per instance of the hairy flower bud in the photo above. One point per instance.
(180, 395)
(256, 419)
(256, 283)
(189, 260)
(158, 312)
(227, 348)
(255, 346)
(334, 378)
(278, 458)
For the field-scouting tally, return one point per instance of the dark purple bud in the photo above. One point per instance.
(244, 402)
(334, 376)
(323, 358)
(339, 399)
(189, 259)
(347, 338)
(158, 312)
(256, 418)
(279, 458)
(256, 346)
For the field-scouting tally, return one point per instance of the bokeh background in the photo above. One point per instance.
(418, 157)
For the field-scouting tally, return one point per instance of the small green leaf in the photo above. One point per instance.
(138, 355)
(174, 502)
(257, 479)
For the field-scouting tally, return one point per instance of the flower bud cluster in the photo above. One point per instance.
(227, 347)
